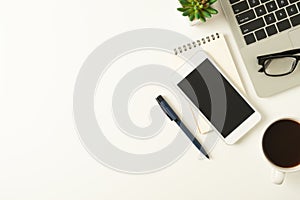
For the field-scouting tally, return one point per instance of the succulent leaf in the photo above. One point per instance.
(184, 3)
(202, 19)
(211, 10)
(188, 12)
(206, 14)
(197, 14)
(182, 9)
(212, 2)
(192, 17)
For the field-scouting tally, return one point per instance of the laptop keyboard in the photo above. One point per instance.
(259, 19)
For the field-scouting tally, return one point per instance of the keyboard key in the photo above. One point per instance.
(271, 6)
(260, 10)
(283, 25)
(282, 3)
(295, 20)
(291, 10)
(233, 1)
(249, 38)
(253, 3)
(270, 18)
(240, 7)
(281, 14)
(260, 34)
(298, 4)
(253, 25)
(245, 16)
(293, 1)
(271, 30)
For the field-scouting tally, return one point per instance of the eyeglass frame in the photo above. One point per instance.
(284, 54)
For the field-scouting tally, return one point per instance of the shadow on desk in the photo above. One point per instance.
(293, 179)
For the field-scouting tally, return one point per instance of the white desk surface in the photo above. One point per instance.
(43, 45)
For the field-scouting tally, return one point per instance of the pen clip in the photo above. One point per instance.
(166, 112)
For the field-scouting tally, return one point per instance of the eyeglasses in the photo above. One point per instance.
(279, 64)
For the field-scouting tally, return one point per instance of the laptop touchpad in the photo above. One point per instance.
(294, 37)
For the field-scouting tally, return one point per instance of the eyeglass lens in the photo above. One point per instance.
(279, 66)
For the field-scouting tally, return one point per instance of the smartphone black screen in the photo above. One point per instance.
(214, 96)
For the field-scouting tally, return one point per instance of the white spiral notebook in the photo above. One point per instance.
(216, 47)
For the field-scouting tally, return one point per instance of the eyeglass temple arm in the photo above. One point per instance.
(293, 51)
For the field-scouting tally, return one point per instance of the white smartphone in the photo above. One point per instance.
(227, 111)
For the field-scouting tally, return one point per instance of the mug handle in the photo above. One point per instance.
(277, 177)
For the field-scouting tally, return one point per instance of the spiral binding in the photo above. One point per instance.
(194, 44)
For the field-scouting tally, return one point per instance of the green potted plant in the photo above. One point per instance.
(197, 9)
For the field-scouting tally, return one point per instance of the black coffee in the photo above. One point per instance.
(281, 143)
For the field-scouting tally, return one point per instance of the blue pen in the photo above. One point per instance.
(172, 115)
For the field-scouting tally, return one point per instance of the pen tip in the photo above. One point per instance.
(207, 157)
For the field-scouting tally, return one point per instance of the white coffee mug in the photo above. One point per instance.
(278, 173)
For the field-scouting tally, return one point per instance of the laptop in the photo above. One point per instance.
(262, 27)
